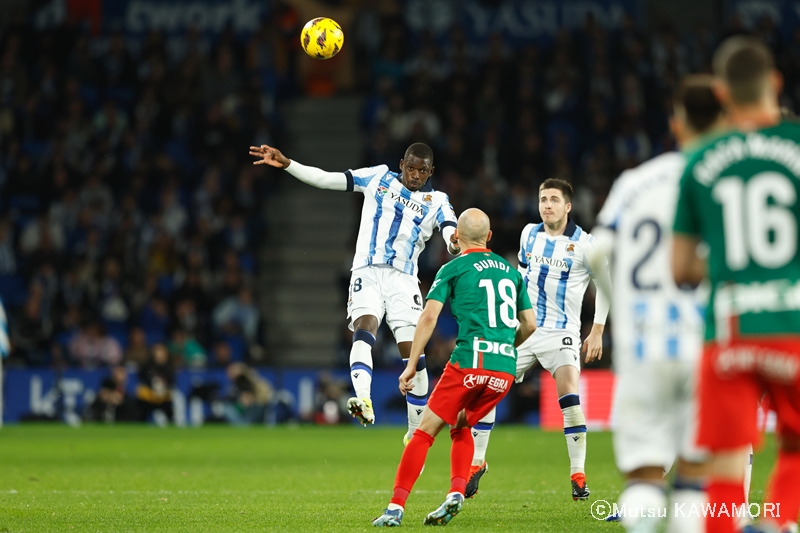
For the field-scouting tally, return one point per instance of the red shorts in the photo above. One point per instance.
(733, 378)
(474, 390)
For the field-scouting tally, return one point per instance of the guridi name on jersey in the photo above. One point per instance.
(490, 263)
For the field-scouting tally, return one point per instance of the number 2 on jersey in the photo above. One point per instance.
(637, 283)
(508, 309)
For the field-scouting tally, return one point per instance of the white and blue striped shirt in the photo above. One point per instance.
(653, 318)
(557, 273)
(395, 222)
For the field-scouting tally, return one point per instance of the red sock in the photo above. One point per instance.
(727, 494)
(783, 489)
(460, 458)
(410, 466)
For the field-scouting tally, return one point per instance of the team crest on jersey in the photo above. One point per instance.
(570, 248)
(428, 199)
(382, 190)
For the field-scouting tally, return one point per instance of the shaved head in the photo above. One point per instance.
(473, 226)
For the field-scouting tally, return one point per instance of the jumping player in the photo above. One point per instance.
(400, 212)
(739, 194)
(488, 300)
(552, 260)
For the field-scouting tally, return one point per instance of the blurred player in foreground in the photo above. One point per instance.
(657, 327)
(739, 194)
(552, 260)
(399, 215)
(488, 300)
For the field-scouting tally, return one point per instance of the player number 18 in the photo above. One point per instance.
(749, 219)
(508, 309)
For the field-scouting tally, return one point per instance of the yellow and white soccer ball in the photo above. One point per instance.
(322, 38)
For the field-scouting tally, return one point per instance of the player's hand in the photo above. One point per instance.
(405, 379)
(455, 249)
(593, 346)
(269, 156)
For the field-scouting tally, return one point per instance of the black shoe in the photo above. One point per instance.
(580, 491)
(475, 475)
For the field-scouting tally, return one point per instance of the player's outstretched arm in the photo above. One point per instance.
(527, 325)
(314, 176)
(425, 326)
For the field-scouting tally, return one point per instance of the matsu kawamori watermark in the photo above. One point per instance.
(601, 510)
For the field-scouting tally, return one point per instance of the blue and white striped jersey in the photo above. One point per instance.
(653, 318)
(5, 347)
(395, 222)
(556, 273)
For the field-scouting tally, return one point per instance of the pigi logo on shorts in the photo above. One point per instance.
(484, 346)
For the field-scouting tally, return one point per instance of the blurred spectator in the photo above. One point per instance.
(91, 347)
(185, 349)
(249, 397)
(113, 403)
(137, 354)
(156, 380)
(330, 401)
(238, 315)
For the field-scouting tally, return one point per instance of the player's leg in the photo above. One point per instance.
(483, 428)
(416, 398)
(644, 443)
(688, 495)
(360, 406)
(403, 308)
(477, 403)
(365, 310)
(728, 403)
(567, 377)
(783, 489)
(444, 409)
(410, 468)
(691, 468)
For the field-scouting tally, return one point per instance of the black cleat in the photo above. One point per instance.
(475, 475)
(580, 491)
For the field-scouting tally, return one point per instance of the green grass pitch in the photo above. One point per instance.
(222, 479)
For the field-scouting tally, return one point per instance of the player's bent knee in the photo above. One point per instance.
(366, 322)
(365, 336)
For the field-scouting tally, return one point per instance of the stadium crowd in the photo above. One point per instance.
(130, 215)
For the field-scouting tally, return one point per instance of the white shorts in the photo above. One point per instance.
(553, 348)
(384, 290)
(654, 415)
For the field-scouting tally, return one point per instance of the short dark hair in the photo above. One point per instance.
(557, 183)
(695, 96)
(744, 62)
(421, 150)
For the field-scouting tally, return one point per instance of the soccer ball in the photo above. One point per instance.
(322, 38)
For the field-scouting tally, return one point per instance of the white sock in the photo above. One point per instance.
(637, 502)
(748, 475)
(687, 495)
(480, 434)
(417, 398)
(574, 431)
(361, 363)
(394, 507)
